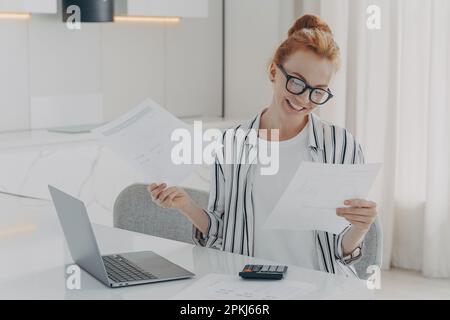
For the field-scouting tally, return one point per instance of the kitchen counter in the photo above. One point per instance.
(78, 164)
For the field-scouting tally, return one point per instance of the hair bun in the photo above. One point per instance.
(309, 21)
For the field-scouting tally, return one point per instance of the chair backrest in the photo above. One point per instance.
(134, 210)
(372, 251)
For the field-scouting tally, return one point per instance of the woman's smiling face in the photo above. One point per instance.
(312, 69)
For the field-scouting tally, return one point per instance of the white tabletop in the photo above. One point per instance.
(35, 256)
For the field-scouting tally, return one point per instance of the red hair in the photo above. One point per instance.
(311, 33)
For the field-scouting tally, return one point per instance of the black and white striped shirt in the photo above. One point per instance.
(231, 205)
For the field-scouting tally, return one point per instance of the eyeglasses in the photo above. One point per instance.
(297, 86)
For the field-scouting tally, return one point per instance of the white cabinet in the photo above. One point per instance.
(28, 6)
(163, 8)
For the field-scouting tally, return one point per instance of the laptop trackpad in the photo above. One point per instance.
(156, 265)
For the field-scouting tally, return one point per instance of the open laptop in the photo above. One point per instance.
(116, 270)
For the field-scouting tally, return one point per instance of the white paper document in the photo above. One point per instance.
(314, 193)
(227, 287)
(142, 137)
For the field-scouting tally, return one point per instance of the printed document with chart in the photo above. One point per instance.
(314, 193)
(142, 137)
(228, 287)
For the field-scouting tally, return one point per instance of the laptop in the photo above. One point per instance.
(115, 270)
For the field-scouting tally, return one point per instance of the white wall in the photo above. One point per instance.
(253, 31)
(179, 66)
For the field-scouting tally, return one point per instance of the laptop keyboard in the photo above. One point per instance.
(120, 269)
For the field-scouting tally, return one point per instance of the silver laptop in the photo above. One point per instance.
(116, 270)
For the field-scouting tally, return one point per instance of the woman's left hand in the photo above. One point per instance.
(360, 213)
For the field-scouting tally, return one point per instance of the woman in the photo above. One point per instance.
(241, 198)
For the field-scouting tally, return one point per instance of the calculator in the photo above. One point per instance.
(257, 271)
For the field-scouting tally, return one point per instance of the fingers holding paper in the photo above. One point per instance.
(360, 213)
(168, 197)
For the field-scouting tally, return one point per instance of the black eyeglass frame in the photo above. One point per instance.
(307, 87)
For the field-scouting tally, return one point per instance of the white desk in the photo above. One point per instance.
(34, 256)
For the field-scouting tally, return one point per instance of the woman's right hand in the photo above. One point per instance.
(177, 198)
(172, 197)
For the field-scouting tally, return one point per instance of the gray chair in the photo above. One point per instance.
(372, 250)
(134, 210)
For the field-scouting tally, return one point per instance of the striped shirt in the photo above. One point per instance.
(231, 204)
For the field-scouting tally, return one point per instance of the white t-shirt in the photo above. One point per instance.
(283, 246)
